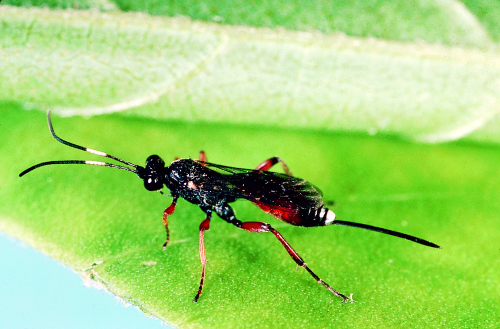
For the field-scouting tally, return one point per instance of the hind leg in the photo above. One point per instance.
(226, 212)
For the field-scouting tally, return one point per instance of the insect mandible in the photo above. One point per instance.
(212, 187)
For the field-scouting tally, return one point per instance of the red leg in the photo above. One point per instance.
(260, 227)
(205, 225)
(203, 156)
(169, 211)
(266, 165)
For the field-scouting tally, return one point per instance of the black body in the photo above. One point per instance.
(212, 187)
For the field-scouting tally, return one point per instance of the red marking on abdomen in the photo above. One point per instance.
(289, 215)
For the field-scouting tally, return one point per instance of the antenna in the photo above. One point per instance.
(87, 162)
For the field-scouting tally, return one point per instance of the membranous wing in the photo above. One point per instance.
(286, 197)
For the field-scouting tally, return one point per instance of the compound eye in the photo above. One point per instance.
(152, 183)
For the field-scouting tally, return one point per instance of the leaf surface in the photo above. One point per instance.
(174, 87)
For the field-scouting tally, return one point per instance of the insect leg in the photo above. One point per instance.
(260, 227)
(169, 211)
(266, 165)
(205, 225)
(203, 156)
(226, 212)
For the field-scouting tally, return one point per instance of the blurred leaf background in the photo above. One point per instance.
(390, 107)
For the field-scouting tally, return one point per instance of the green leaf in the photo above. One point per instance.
(103, 224)
(182, 70)
(432, 21)
(244, 95)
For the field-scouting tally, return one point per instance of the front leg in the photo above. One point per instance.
(168, 211)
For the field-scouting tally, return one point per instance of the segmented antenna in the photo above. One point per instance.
(87, 162)
(389, 232)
